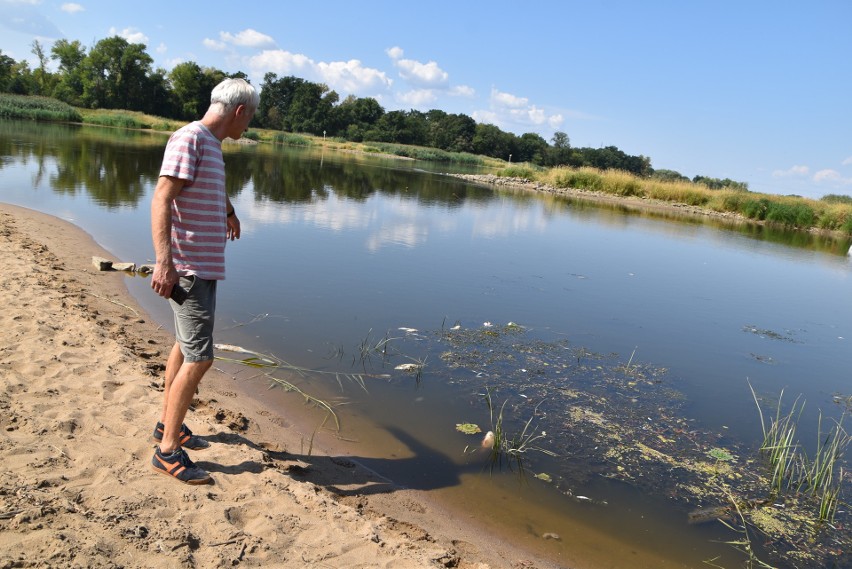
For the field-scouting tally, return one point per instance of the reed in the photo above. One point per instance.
(511, 447)
(36, 108)
(789, 465)
(745, 543)
(265, 361)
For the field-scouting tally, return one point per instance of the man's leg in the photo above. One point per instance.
(178, 398)
(173, 364)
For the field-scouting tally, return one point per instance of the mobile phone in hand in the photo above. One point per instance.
(179, 294)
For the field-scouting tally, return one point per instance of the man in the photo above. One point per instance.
(191, 220)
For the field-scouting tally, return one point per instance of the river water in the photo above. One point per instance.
(352, 265)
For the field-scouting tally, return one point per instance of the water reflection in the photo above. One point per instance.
(116, 167)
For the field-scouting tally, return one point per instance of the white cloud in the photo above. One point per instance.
(501, 99)
(427, 75)
(417, 97)
(847, 162)
(514, 113)
(462, 91)
(280, 62)
(161, 49)
(828, 175)
(352, 77)
(214, 45)
(485, 117)
(247, 38)
(555, 121)
(348, 77)
(132, 35)
(394, 52)
(72, 8)
(794, 171)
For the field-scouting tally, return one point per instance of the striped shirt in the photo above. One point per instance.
(199, 219)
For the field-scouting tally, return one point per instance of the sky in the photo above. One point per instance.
(759, 91)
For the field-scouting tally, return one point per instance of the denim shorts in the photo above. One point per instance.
(194, 319)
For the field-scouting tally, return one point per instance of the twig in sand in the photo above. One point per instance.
(114, 302)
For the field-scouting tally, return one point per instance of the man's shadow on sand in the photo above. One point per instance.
(428, 469)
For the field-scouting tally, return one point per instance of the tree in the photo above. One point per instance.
(115, 75)
(560, 153)
(669, 176)
(450, 132)
(190, 89)
(354, 116)
(717, 184)
(310, 108)
(41, 75)
(489, 140)
(70, 56)
(295, 105)
(7, 64)
(531, 148)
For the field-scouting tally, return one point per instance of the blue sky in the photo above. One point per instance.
(756, 91)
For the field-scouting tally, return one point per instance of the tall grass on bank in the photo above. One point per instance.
(791, 469)
(788, 211)
(36, 108)
(424, 153)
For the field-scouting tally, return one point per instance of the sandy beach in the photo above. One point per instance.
(81, 367)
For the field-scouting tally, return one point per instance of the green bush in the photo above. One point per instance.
(755, 209)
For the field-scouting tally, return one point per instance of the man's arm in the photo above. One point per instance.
(165, 276)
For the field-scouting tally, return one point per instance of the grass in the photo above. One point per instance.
(790, 467)
(511, 447)
(264, 361)
(744, 543)
(792, 212)
(128, 119)
(36, 108)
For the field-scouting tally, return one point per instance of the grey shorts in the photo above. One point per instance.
(194, 319)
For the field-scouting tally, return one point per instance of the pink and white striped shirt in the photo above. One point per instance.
(199, 219)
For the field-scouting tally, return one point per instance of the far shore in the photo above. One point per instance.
(630, 202)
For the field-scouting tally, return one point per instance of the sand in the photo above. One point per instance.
(81, 369)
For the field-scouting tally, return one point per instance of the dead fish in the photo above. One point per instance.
(408, 367)
(488, 440)
(704, 515)
(551, 536)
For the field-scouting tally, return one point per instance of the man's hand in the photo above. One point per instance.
(232, 229)
(163, 279)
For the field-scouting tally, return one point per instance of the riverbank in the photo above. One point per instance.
(82, 370)
(833, 218)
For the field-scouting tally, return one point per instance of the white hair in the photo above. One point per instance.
(231, 93)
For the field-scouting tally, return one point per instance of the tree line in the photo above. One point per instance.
(117, 74)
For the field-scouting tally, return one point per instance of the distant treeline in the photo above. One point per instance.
(116, 74)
